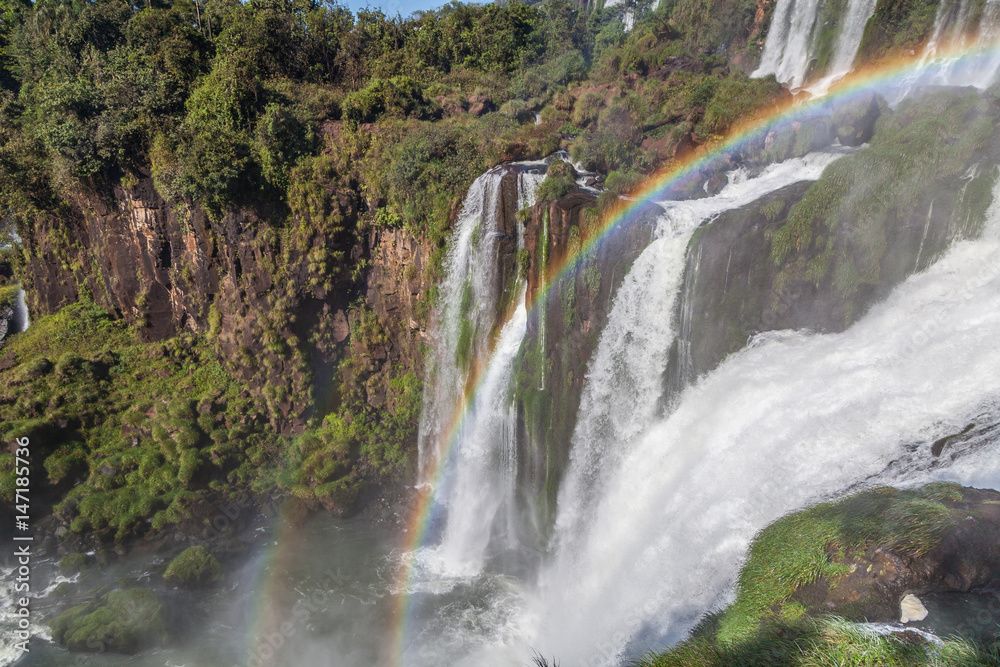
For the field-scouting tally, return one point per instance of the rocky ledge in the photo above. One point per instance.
(869, 557)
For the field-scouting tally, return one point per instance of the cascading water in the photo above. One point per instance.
(485, 462)
(21, 319)
(480, 477)
(624, 381)
(467, 303)
(796, 39)
(792, 419)
(962, 24)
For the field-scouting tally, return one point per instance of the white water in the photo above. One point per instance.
(958, 26)
(792, 419)
(21, 312)
(471, 274)
(624, 379)
(793, 36)
(480, 476)
(485, 463)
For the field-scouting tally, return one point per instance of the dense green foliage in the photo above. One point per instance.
(131, 435)
(221, 102)
(325, 126)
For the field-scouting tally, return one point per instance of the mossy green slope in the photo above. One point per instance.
(769, 625)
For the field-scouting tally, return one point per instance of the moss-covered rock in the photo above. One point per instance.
(194, 566)
(841, 244)
(810, 575)
(125, 621)
(71, 564)
(859, 556)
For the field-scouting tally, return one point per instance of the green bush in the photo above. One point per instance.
(560, 179)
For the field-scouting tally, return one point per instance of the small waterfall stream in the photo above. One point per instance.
(480, 474)
(796, 39)
(21, 320)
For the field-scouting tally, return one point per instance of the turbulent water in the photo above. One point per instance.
(794, 41)
(792, 419)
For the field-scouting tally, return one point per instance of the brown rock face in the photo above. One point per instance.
(275, 299)
(564, 328)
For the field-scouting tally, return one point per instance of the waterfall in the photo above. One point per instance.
(481, 471)
(793, 418)
(21, 320)
(485, 468)
(467, 302)
(625, 377)
(798, 37)
(962, 24)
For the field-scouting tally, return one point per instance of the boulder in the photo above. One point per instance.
(125, 621)
(195, 566)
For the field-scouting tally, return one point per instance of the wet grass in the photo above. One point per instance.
(806, 546)
(828, 642)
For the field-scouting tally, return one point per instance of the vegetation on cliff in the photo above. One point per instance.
(269, 146)
(135, 435)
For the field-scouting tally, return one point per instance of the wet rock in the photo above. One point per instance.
(948, 542)
(125, 621)
(195, 566)
(855, 120)
(74, 563)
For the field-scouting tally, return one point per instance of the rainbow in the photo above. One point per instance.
(678, 173)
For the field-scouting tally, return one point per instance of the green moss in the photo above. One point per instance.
(828, 642)
(466, 337)
(897, 27)
(806, 546)
(125, 622)
(843, 226)
(195, 566)
(71, 564)
(8, 295)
